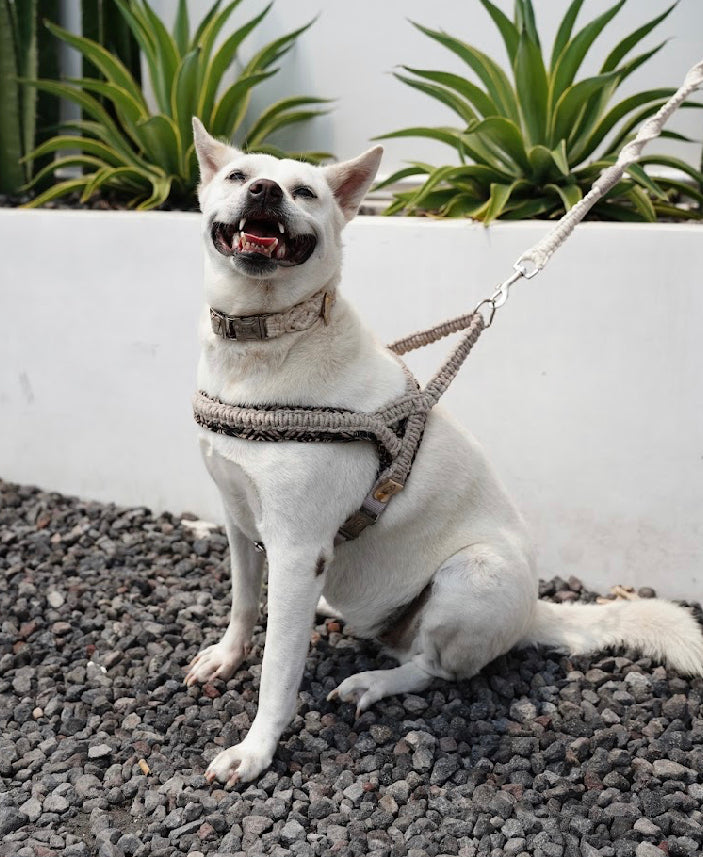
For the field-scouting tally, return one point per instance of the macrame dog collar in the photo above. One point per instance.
(248, 328)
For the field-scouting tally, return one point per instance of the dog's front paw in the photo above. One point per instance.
(239, 764)
(218, 661)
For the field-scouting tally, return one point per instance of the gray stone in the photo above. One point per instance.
(87, 785)
(109, 849)
(292, 831)
(320, 808)
(31, 808)
(422, 759)
(99, 751)
(11, 819)
(255, 825)
(55, 803)
(354, 792)
(523, 711)
(399, 791)
(22, 682)
(55, 598)
(646, 827)
(129, 843)
(418, 739)
(443, 769)
(675, 707)
(665, 769)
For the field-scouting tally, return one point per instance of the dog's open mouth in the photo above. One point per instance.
(260, 238)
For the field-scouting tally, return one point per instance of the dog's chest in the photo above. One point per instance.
(306, 489)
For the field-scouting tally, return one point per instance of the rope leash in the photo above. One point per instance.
(398, 427)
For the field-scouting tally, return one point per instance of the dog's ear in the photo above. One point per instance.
(212, 154)
(351, 179)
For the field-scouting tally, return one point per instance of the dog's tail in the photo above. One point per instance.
(654, 627)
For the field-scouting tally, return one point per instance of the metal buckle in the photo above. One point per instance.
(246, 328)
(217, 319)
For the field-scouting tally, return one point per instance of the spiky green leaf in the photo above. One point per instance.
(488, 71)
(575, 50)
(532, 88)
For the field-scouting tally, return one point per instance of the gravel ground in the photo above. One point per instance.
(102, 748)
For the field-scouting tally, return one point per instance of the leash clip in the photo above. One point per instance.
(500, 295)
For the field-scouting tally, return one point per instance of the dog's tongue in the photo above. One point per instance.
(258, 243)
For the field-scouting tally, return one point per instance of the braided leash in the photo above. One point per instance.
(397, 428)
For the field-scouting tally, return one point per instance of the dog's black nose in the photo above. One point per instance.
(265, 191)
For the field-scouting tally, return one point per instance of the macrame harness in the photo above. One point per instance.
(397, 428)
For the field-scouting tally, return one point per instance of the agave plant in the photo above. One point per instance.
(532, 146)
(148, 156)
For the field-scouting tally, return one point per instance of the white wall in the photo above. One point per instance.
(587, 393)
(351, 50)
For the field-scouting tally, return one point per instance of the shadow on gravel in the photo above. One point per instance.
(102, 747)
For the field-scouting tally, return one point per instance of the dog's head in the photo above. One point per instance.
(276, 224)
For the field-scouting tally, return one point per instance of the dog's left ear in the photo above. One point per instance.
(351, 179)
(212, 154)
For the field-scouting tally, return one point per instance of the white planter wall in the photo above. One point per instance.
(587, 392)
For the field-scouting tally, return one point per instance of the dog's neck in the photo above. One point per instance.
(296, 366)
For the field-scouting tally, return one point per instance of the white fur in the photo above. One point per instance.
(453, 524)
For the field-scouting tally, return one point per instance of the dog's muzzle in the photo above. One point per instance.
(261, 237)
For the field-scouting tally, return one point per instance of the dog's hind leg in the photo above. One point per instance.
(480, 602)
(368, 687)
(223, 658)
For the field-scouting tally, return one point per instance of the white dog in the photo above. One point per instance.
(446, 578)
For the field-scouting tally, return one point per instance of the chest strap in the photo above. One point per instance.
(396, 431)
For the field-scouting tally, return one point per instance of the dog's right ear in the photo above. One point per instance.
(350, 180)
(212, 154)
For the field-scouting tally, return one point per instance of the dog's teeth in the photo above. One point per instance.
(242, 223)
(281, 228)
(281, 252)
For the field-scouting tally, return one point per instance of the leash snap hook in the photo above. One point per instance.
(502, 293)
(499, 296)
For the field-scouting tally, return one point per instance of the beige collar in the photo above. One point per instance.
(271, 325)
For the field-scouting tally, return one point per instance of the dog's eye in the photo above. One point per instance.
(236, 176)
(305, 192)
